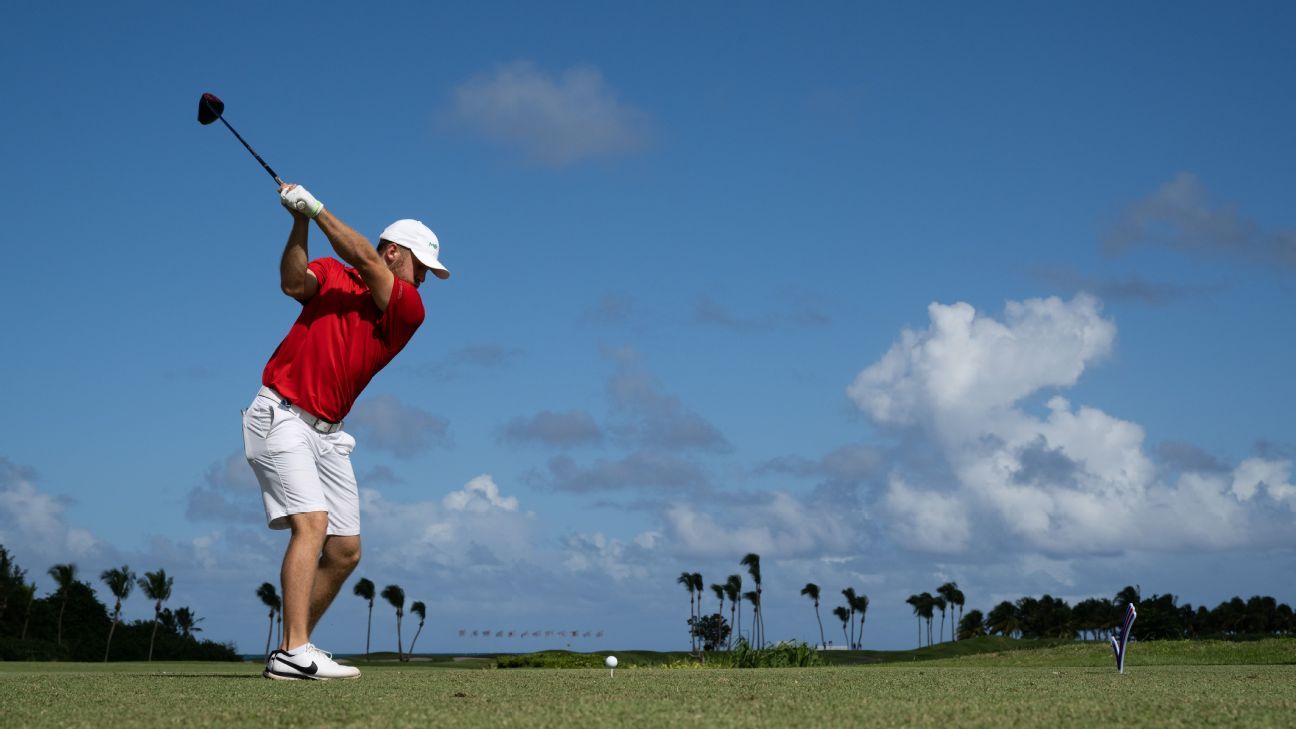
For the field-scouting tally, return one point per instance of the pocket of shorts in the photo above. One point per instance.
(258, 419)
(344, 443)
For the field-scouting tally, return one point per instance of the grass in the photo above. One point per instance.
(1166, 684)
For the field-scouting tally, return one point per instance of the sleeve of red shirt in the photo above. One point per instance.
(323, 271)
(404, 312)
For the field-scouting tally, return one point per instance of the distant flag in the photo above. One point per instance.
(461, 632)
(598, 634)
(512, 633)
(586, 635)
(1119, 643)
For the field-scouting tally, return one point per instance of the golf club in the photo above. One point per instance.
(210, 109)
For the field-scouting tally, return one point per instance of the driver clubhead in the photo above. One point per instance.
(210, 109)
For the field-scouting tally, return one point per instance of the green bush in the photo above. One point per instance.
(783, 655)
(12, 649)
(551, 659)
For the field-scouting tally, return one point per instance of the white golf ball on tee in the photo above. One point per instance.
(610, 661)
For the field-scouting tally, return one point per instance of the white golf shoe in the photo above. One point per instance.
(307, 664)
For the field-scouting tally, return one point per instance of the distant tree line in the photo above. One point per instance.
(1160, 617)
(72, 624)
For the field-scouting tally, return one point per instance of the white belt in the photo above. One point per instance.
(317, 424)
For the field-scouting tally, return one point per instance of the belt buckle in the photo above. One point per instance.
(324, 427)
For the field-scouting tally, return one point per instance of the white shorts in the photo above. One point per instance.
(300, 470)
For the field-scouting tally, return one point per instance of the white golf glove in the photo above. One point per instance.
(299, 199)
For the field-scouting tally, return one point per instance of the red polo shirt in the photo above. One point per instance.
(340, 341)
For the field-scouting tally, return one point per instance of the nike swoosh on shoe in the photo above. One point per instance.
(308, 670)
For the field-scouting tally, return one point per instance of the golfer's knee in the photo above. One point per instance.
(309, 524)
(342, 554)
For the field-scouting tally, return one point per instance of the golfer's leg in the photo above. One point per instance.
(341, 555)
(300, 566)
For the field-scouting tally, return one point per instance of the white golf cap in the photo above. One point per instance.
(420, 240)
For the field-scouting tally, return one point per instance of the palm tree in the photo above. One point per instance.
(927, 603)
(1003, 619)
(940, 603)
(156, 587)
(753, 597)
(843, 615)
(849, 594)
(699, 587)
(861, 606)
(686, 579)
(187, 622)
(64, 576)
(120, 582)
(950, 592)
(956, 598)
(914, 602)
(733, 589)
(271, 599)
(365, 590)
(396, 596)
(420, 610)
(11, 578)
(752, 563)
(812, 591)
(719, 591)
(28, 591)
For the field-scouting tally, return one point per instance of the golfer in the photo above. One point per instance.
(354, 320)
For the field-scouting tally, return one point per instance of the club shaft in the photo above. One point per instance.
(253, 151)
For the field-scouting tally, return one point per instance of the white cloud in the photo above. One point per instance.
(966, 366)
(1255, 474)
(927, 520)
(34, 520)
(479, 495)
(775, 524)
(555, 120)
(1076, 480)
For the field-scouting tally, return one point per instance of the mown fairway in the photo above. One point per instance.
(983, 690)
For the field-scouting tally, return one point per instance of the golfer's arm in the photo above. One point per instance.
(356, 250)
(295, 279)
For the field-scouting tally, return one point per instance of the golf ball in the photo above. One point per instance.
(610, 661)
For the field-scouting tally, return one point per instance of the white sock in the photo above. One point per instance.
(298, 649)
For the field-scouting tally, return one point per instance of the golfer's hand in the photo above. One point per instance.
(299, 200)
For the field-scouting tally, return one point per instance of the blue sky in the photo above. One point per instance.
(892, 294)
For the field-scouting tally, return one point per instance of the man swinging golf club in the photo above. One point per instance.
(354, 320)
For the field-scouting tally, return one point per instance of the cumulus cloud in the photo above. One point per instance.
(965, 367)
(553, 119)
(560, 430)
(34, 520)
(1075, 480)
(474, 525)
(775, 524)
(384, 422)
(1181, 215)
(1257, 474)
(605, 555)
(480, 495)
